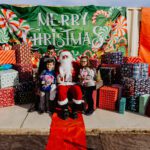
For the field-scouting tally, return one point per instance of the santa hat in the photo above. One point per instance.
(65, 52)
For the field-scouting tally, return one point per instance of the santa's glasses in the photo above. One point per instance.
(64, 57)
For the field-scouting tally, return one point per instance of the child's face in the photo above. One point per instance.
(83, 62)
(50, 52)
(50, 66)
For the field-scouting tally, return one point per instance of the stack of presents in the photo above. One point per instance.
(126, 84)
(16, 84)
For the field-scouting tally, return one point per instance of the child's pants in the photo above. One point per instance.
(46, 97)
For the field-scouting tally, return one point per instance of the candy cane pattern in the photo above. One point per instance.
(7, 20)
(23, 29)
(120, 27)
(97, 13)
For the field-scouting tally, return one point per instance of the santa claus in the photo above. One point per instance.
(67, 78)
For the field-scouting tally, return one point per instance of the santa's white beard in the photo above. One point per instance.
(66, 69)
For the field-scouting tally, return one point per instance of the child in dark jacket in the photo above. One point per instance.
(48, 88)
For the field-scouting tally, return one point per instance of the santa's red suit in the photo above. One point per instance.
(67, 78)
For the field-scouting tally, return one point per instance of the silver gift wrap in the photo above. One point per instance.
(8, 78)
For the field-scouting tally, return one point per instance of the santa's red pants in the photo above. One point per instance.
(75, 92)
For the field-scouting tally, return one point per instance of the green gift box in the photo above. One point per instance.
(143, 103)
(122, 105)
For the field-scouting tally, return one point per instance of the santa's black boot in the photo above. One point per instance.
(74, 111)
(65, 112)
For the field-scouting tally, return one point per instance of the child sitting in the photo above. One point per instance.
(48, 88)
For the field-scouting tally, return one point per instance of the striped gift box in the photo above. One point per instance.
(7, 57)
(132, 60)
(23, 53)
(7, 97)
(108, 97)
(143, 103)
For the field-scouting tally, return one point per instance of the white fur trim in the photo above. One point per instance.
(78, 101)
(52, 92)
(64, 102)
(67, 83)
(66, 53)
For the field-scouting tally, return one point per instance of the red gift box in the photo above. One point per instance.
(25, 72)
(108, 97)
(23, 53)
(7, 57)
(7, 97)
(132, 60)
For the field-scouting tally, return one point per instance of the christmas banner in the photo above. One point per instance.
(82, 29)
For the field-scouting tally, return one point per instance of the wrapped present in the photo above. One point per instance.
(25, 72)
(7, 57)
(132, 59)
(144, 70)
(132, 103)
(142, 86)
(136, 71)
(25, 86)
(8, 78)
(112, 58)
(23, 53)
(147, 112)
(143, 101)
(117, 67)
(108, 97)
(119, 87)
(108, 75)
(128, 87)
(24, 97)
(7, 97)
(126, 70)
(122, 105)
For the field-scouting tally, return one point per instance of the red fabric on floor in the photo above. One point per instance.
(67, 134)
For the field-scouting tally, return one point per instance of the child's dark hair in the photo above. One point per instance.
(49, 47)
(51, 61)
(87, 58)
